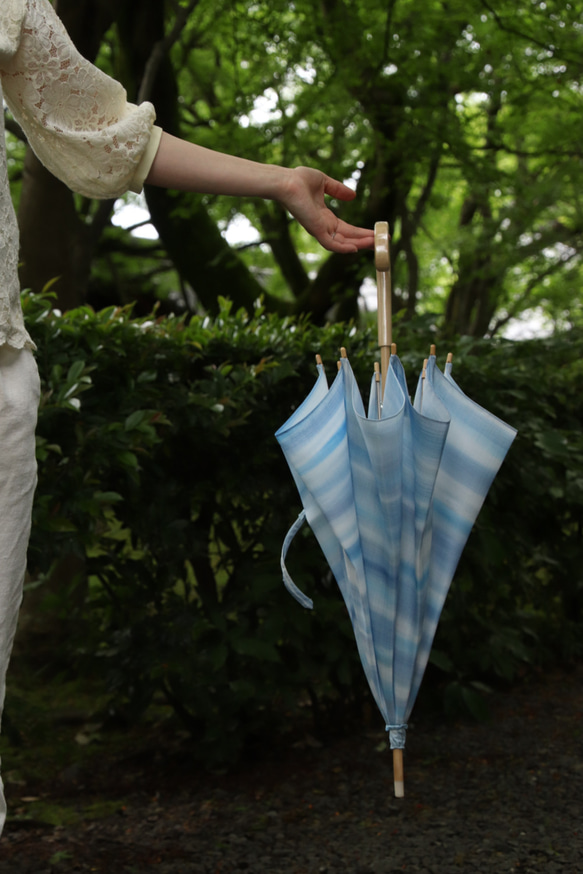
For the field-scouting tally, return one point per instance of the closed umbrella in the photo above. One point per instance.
(391, 497)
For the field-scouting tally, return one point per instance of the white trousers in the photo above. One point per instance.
(19, 397)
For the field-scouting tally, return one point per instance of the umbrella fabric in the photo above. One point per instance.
(476, 445)
(391, 502)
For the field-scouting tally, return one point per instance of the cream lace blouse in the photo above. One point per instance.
(78, 122)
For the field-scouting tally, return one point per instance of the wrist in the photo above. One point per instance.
(282, 183)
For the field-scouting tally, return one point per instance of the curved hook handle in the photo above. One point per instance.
(382, 258)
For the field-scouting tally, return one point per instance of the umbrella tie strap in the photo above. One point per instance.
(397, 735)
(288, 582)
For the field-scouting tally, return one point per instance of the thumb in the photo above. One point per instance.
(337, 189)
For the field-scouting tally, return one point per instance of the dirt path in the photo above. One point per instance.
(500, 797)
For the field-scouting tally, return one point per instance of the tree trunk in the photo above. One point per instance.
(472, 301)
(200, 254)
(54, 244)
(333, 295)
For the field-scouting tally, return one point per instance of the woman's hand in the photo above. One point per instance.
(189, 167)
(304, 197)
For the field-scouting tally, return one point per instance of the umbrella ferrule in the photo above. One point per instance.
(397, 735)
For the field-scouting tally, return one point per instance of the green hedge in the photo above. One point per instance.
(162, 485)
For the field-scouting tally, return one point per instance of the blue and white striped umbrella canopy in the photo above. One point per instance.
(392, 501)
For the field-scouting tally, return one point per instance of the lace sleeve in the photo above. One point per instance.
(11, 15)
(77, 118)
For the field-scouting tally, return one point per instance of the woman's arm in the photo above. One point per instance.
(82, 128)
(188, 167)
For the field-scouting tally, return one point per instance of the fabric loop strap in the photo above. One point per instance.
(289, 583)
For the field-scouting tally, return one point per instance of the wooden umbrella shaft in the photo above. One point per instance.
(384, 321)
(384, 310)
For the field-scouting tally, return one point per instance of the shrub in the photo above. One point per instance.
(161, 479)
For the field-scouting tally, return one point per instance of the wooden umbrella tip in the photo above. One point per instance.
(343, 352)
(393, 348)
(398, 774)
(318, 359)
(449, 357)
(432, 349)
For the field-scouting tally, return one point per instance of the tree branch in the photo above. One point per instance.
(526, 36)
(520, 302)
(427, 189)
(276, 226)
(387, 35)
(14, 128)
(161, 49)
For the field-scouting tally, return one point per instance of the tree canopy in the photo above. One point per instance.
(459, 123)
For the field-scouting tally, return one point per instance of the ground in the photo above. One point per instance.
(500, 796)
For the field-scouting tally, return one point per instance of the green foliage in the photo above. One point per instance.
(459, 123)
(160, 475)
